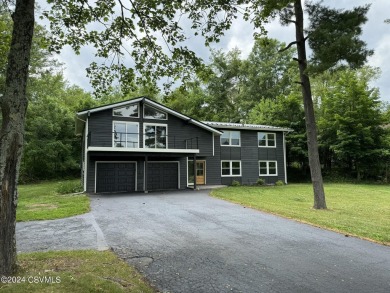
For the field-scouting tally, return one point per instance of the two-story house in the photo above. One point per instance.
(141, 145)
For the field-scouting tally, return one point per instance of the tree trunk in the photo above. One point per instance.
(311, 128)
(13, 106)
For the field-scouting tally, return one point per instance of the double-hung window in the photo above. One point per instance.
(125, 134)
(230, 138)
(155, 136)
(231, 168)
(268, 168)
(266, 139)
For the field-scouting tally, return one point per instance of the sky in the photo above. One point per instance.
(376, 34)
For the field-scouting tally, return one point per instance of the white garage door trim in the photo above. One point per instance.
(103, 162)
(178, 171)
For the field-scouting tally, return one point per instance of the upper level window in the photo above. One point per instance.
(126, 111)
(152, 113)
(230, 138)
(125, 134)
(266, 139)
(155, 136)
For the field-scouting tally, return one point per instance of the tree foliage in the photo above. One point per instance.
(286, 111)
(334, 37)
(268, 72)
(51, 148)
(231, 85)
(149, 32)
(351, 123)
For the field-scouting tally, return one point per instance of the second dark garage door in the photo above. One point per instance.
(115, 177)
(163, 175)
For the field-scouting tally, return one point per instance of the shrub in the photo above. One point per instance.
(279, 183)
(236, 183)
(260, 181)
(67, 187)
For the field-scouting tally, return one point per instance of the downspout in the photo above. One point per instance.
(86, 154)
(284, 156)
(213, 145)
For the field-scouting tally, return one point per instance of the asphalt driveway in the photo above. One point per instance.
(190, 242)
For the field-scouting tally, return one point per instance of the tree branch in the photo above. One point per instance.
(298, 60)
(289, 20)
(288, 47)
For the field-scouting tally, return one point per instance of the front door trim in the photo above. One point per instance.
(204, 171)
(203, 162)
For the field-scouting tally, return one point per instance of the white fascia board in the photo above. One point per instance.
(254, 128)
(143, 150)
(228, 125)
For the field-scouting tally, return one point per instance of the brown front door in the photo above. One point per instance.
(200, 172)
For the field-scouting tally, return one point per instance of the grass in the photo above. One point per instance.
(41, 202)
(358, 210)
(75, 271)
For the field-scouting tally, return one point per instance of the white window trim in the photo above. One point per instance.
(267, 162)
(113, 129)
(156, 124)
(230, 139)
(143, 113)
(266, 140)
(230, 167)
(124, 107)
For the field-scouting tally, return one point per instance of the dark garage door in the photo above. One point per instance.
(163, 175)
(115, 177)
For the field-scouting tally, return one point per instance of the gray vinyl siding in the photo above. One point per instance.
(274, 154)
(250, 154)
(230, 153)
(213, 165)
(101, 127)
(180, 130)
(183, 173)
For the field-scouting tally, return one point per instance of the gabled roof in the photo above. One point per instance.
(227, 125)
(82, 115)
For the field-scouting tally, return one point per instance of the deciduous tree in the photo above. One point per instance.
(350, 121)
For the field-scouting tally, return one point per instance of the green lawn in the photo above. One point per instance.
(76, 272)
(41, 202)
(359, 210)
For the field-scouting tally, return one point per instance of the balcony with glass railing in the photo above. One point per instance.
(147, 142)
